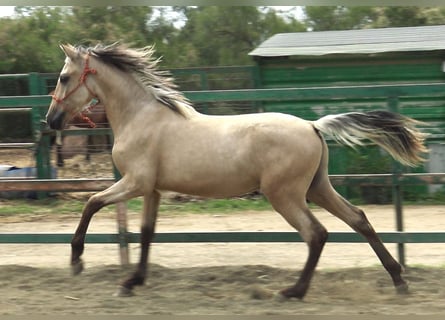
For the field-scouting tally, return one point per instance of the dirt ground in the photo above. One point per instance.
(224, 278)
(220, 278)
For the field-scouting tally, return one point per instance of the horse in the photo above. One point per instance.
(91, 116)
(162, 143)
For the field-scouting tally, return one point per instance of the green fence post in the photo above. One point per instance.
(255, 74)
(34, 83)
(393, 105)
(204, 81)
(42, 142)
(41, 146)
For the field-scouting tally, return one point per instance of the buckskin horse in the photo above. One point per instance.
(162, 143)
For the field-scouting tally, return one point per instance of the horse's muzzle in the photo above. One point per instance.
(56, 119)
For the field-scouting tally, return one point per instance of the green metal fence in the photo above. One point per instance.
(219, 236)
(391, 94)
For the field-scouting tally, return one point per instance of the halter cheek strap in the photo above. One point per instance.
(82, 81)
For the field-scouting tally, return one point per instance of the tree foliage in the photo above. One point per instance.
(339, 18)
(208, 36)
(224, 35)
(348, 18)
(183, 36)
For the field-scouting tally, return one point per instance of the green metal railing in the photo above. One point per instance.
(218, 236)
(392, 94)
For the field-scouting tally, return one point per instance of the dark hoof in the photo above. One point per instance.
(292, 292)
(123, 292)
(77, 268)
(402, 288)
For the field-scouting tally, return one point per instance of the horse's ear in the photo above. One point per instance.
(69, 51)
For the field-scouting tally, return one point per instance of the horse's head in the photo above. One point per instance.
(73, 90)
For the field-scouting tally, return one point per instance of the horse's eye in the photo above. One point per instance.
(64, 78)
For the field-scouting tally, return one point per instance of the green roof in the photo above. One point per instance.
(363, 41)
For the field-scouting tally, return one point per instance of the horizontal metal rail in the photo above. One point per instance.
(275, 94)
(223, 236)
(99, 184)
(212, 70)
(17, 145)
(18, 179)
(61, 185)
(82, 132)
(14, 75)
(16, 109)
(281, 94)
(7, 102)
(387, 179)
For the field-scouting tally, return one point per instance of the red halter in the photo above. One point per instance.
(82, 81)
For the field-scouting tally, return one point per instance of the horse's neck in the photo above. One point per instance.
(128, 103)
(114, 93)
(120, 113)
(132, 110)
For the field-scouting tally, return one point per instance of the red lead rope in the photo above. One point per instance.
(85, 118)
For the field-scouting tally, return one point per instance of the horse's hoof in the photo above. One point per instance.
(292, 292)
(77, 268)
(402, 288)
(123, 292)
(280, 297)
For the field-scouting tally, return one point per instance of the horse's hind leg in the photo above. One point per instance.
(323, 194)
(298, 215)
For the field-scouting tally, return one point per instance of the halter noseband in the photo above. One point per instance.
(82, 81)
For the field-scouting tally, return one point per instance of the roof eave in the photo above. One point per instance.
(348, 49)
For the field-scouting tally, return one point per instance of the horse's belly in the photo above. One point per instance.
(219, 185)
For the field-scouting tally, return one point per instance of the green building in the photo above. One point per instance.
(368, 57)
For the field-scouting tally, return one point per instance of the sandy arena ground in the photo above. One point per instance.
(220, 278)
(227, 279)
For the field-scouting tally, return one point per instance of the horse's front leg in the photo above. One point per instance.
(151, 205)
(118, 192)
